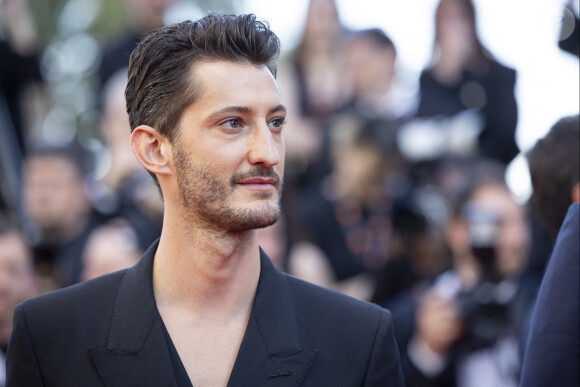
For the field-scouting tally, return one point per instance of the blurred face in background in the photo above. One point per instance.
(54, 194)
(371, 67)
(513, 237)
(454, 27)
(110, 248)
(322, 21)
(509, 237)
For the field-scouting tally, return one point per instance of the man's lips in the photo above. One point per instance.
(259, 180)
(259, 183)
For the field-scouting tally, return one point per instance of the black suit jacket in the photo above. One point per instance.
(552, 356)
(109, 332)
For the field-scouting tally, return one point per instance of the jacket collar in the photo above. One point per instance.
(136, 351)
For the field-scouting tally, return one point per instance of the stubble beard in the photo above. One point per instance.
(205, 197)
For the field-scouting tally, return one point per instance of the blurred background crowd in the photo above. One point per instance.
(404, 186)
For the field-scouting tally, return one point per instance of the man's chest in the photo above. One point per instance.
(207, 351)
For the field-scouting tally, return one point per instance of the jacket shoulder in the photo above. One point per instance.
(77, 302)
(332, 306)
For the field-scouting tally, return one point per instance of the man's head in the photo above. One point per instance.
(554, 164)
(207, 116)
(161, 83)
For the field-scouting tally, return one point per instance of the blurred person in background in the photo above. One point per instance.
(417, 251)
(370, 64)
(312, 80)
(369, 60)
(123, 188)
(17, 280)
(551, 356)
(19, 69)
(111, 247)
(346, 216)
(19, 64)
(317, 72)
(467, 106)
(463, 329)
(144, 16)
(345, 205)
(465, 76)
(60, 211)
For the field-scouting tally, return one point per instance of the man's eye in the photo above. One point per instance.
(233, 123)
(278, 123)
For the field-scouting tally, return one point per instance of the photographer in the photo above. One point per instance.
(462, 329)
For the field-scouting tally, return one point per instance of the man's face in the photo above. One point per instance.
(229, 151)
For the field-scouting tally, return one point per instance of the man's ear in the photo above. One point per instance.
(152, 149)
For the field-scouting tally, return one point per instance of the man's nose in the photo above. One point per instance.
(263, 147)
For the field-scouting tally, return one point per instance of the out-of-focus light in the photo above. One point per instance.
(518, 179)
(182, 10)
(78, 15)
(59, 127)
(75, 54)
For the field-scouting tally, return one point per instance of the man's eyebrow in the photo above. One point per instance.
(244, 109)
(278, 109)
(231, 110)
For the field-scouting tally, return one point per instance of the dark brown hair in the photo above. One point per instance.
(161, 83)
(554, 164)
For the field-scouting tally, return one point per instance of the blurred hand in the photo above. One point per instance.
(439, 323)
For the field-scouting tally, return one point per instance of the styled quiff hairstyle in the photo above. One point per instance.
(161, 84)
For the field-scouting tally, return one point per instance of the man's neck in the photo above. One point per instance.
(206, 273)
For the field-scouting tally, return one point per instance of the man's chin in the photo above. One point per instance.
(254, 219)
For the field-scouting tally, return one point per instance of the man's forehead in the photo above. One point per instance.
(213, 65)
(226, 80)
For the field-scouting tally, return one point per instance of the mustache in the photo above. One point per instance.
(256, 172)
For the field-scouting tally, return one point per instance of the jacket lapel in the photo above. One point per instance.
(136, 353)
(270, 353)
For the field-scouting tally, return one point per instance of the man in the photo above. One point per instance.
(205, 306)
(17, 281)
(553, 346)
(552, 353)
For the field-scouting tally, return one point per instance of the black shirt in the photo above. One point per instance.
(181, 377)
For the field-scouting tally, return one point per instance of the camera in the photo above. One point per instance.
(485, 307)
